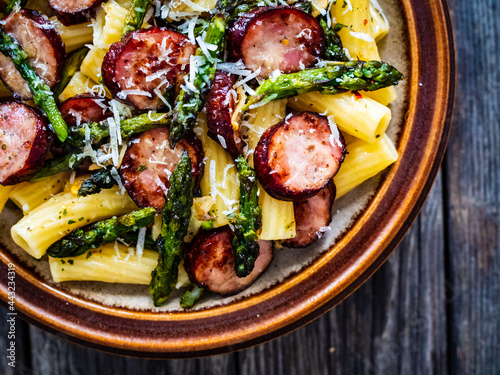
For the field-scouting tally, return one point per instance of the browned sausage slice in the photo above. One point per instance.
(85, 108)
(209, 261)
(71, 12)
(285, 39)
(238, 29)
(144, 63)
(45, 49)
(219, 108)
(149, 162)
(25, 139)
(311, 216)
(296, 158)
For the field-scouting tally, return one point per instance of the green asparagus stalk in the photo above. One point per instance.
(57, 165)
(334, 50)
(98, 131)
(105, 231)
(71, 66)
(14, 4)
(189, 104)
(306, 6)
(131, 238)
(176, 215)
(135, 16)
(192, 294)
(248, 220)
(42, 95)
(128, 127)
(330, 79)
(100, 179)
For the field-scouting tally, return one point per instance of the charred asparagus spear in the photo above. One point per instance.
(42, 95)
(14, 4)
(131, 238)
(71, 66)
(190, 100)
(100, 179)
(176, 215)
(100, 130)
(106, 231)
(57, 165)
(248, 220)
(135, 16)
(246, 7)
(330, 79)
(334, 50)
(192, 294)
(97, 132)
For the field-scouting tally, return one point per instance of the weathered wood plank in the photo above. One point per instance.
(52, 354)
(473, 184)
(304, 351)
(220, 364)
(395, 323)
(409, 333)
(22, 360)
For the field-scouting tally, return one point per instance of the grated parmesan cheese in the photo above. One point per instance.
(161, 185)
(237, 68)
(140, 243)
(113, 140)
(116, 176)
(335, 137)
(247, 78)
(362, 36)
(124, 93)
(349, 7)
(222, 141)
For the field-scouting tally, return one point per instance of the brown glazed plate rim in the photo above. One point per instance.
(317, 288)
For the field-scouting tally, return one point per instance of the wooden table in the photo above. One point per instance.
(434, 307)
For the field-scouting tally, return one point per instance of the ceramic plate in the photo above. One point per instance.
(300, 284)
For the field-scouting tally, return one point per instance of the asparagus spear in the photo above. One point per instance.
(176, 215)
(128, 127)
(248, 220)
(98, 131)
(330, 79)
(14, 4)
(135, 16)
(105, 231)
(306, 6)
(188, 104)
(131, 238)
(100, 179)
(41, 91)
(71, 66)
(334, 50)
(57, 165)
(192, 294)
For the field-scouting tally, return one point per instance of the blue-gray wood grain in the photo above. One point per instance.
(434, 306)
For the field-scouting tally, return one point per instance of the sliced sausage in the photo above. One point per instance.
(71, 12)
(296, 158)
(146, 61)
(219, 108)
(25, 139)
(45, 49)
(209, 261)
(238, 29)
(285, 39)
(312, 216)
(85, 108)
(149, 162)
